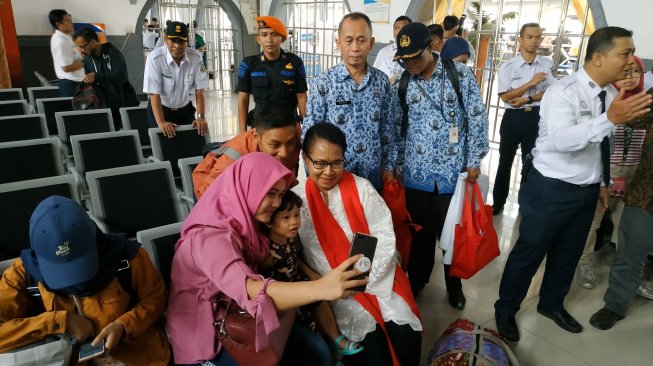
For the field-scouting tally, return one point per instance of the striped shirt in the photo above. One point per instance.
(634, 151)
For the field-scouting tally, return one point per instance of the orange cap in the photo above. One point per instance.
(273, 23)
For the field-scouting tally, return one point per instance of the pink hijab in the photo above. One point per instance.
(234, 197)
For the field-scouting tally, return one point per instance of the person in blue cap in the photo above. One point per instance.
(456, 49)
(81, 297)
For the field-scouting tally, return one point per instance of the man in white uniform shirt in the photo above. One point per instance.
(384, 59)
(68, 64)
(174, 77)
(559, 195)
(522, 82)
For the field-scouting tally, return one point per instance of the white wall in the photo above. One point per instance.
(624, 14)
(119, 16)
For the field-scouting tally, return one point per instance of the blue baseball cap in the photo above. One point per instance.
(412, 40)
(62, 236)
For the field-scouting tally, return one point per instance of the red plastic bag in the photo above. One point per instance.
(395, 198)
(475, 240)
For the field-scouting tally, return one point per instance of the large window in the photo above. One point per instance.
(313, 27)
(215, 26)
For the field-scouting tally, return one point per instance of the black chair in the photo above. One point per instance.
(159, 243)
(40, 92)
(27, 127)
(106, 150)
(19, 201)
(133, 198)
(135, 118)
(50, 106)
(11, 94)
(13, 108)
(186, 167)
(73, 123)
(186, 143)
(30, 159)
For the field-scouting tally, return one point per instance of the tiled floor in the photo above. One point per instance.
(542, 342)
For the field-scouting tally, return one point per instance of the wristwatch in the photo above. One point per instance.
(201, 116)
(530, 99)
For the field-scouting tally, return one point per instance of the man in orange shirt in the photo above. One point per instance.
(275, 132)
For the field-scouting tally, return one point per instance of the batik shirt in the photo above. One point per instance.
(427, 157)
(362, 112)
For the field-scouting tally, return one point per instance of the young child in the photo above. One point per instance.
(283, 264)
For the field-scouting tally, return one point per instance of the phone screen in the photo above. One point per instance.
(366, 245)
(87, 351)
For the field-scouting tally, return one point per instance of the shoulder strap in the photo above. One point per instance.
(124, 274)
(452, 74)
(226, 150)
(32, 288)
(403, 88)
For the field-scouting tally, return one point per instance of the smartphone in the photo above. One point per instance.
(366, 245)
(88, 352)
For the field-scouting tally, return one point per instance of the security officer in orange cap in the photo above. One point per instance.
(175, 77)
(272, 76)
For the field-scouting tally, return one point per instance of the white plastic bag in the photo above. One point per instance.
(52, 351)
(455, 212)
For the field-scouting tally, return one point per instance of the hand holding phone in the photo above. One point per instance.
(366, 245)
(88, 352)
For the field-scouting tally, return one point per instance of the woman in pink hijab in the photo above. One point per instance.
(218, 256)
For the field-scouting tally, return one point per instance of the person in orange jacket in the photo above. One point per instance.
(275, 133)
(82, 297)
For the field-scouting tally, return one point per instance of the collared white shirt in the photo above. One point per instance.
(64, 53)
(176, 84)
(149, 40)
(571, 128)
(516, 72)
(385, 63)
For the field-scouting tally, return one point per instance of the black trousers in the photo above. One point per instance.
(406, 342)
(429, 210)
(181, 116)
(556, 217)
(517, 127)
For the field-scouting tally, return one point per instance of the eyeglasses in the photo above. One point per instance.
(635, 73)
(321, 164)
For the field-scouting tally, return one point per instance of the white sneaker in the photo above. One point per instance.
(585, 276)
(645, 291)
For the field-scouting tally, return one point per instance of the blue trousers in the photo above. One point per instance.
(556, 217)
(635, 233)
(67, 87)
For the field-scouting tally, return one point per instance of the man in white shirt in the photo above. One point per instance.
(174, 77)
(559, 195)
(68, 64)
(522, 82)
(384, 59)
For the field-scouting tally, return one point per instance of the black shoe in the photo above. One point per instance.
(605, 319)
(496, 210)
(416, 288)
(563, 319)
(507, 327)
(457, 299)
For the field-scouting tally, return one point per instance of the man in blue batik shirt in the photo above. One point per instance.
(441, 140)
(356, 97)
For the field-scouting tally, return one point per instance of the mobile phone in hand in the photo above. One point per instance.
(366, 245)
(88, 352)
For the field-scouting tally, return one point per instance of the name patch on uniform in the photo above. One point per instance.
(343, 102)
(517, 78)
(259, 74)
(585, 113)
(287, 73)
